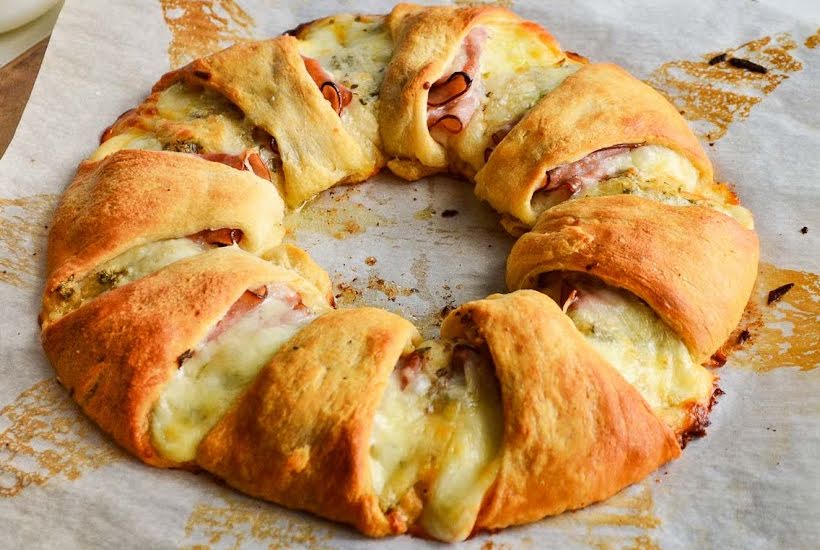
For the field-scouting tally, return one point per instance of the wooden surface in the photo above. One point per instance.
(16, 81)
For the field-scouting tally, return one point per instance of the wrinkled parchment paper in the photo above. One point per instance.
(753, 482)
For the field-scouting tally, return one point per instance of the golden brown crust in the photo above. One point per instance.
(294, 258)
(575, 432)
(115, 354)
(694, 266)
(426, 40)
(269, 82)
(599, 106)
(300, 435)
(137, 197)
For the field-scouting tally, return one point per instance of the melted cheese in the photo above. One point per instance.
(355, 50)
(517, 70)
(133, 264)
(133, 138)
(644, 349)
(654, 172)
(208, 383)
(186, 119)
(443, 432)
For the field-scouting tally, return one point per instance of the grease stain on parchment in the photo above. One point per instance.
(201, 27)
(23, 229)
(501, 3)
(232, 522)
(339, 222)
(626, 520)
(44, 436)
(784, 333)
(712, 97)
(813, 41)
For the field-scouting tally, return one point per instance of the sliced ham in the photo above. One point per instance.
(218, 237)
(336, 93)
(253, 298)
(575, 175)
(499, 135)
(454, 98)
(248, 160)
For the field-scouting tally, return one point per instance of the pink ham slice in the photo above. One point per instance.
(253, 298)
(217, 237)
(248, 160)
(454, 98)
(336, 93)
(591, 167)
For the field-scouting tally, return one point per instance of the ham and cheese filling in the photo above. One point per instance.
(436, 438)
(337, 94)
(651, 171)
(351, 52)
(637, 342)
(187, 119)
(454, 98)
(136, 263)
(517, 67)
(214, 374)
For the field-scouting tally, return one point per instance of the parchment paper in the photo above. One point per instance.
(751, 483)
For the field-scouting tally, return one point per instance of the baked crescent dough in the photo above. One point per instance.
(269, 82)
(694, 266)
(182, 326)
(600, 106)
(116, 353)
(554, 458)
(312, 409)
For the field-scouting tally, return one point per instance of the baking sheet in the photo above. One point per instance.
(753, 482)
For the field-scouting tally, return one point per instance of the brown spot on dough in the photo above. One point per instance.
(201, 27)
(713, 96)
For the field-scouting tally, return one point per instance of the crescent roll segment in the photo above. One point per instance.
(599, 106)
(575, 432)
(269, 82)
(426, 40)
(300, 435)
(294, 258)
(133, 198)
(695, 267)
(116, 353)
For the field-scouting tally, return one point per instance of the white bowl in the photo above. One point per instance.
(16, 13)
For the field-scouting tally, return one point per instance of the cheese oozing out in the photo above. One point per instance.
(436, 439)
(219, 370)
(638, 343)
(517, 69)
(135, 263)
(189, 119)
(355, 49)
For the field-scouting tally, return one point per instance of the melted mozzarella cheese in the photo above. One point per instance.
(644, 349)
(517, 70)
(134, 138)
(182, 118)
(442, 431)
(208, 383)
(354, 49)
(133, 264)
